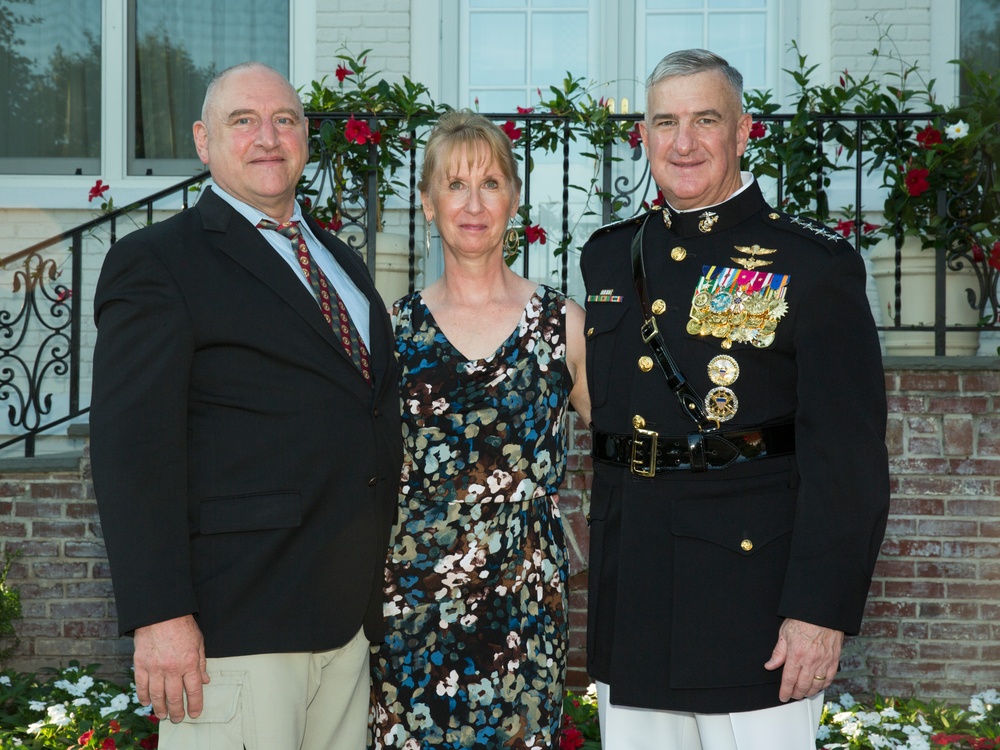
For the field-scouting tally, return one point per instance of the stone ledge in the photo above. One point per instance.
(941, 363)
(68, 461)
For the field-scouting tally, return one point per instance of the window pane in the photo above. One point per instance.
(179, 47)
(558, 45)
(979, 29)
(741, 39)
(50, 72)
(674, 5)
(498, 49)
(497, 100)
(498, 3)
(666, 34)
(737, 4)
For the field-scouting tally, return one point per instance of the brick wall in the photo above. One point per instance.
(931, 626)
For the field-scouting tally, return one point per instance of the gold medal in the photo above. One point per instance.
(721, 404)
(645, 364)
(694, 327)
(659, 307)
(762, 342)
(723, 370)
(678, 253)
(701, 299)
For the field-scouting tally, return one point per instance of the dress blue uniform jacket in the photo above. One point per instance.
(244, 470)
(692, 573)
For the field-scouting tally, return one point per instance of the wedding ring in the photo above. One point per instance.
(819, 677)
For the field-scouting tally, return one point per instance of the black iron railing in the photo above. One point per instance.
(42, 353)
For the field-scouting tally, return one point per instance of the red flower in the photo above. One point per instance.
(535, 233)
(977, 254)
(845, 227)
(525, 110)
(150, 743)
(406, 143)
(115, 726)
(98, 191)
(571, 738)
(64, 294)
(928, 137)
(916, 182)
(85, 737)
(512, 132)
(869, 227)
(154, 718)
(342, 72)
(982, 743)
(758, 130)
(995, 256)
(334, 225)
(357, 131)
(108, 744)
(634, 137)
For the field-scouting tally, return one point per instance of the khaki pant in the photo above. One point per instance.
(298, 701)
(791, 726)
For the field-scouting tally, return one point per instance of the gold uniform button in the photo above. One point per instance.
(774, 216)
(590, 332)
(746, 545)
(638, 422)
(645, 364)
(678, 253)
(659, 307)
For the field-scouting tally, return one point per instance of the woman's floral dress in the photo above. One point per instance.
(476, 579)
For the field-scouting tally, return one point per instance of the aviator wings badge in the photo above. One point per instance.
(753, 261)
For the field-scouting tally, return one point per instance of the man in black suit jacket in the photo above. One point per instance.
(245, 466)
(741, 484)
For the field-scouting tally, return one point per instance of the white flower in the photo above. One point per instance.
(35, 727)
(58, 715)
(890, 713)
(847, 700)
(878, 741)
(959, 130)
(823, 733)
(118, 703)
(4, 679)
(144, 710)
(841, 717)
(81, 701)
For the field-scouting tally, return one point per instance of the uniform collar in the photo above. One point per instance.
(697, 222)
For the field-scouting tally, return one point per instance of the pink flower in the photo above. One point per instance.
(511, 130)
(342, 72)
(525, 110)
(758, 130)
(535, 233)
(357, 131)
(65, 294)
(634, 137)
(98, 191)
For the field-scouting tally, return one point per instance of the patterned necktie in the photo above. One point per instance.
(326, 295)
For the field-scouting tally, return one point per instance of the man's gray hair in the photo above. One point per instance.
(686, 62)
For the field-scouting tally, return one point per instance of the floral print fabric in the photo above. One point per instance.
(475, 580)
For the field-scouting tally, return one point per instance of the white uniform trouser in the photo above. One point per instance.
(791, 726)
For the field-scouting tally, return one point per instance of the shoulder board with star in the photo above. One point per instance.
(814, 230)
(632, 221)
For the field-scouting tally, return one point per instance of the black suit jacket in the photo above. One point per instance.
(692, 573)
(244, 470)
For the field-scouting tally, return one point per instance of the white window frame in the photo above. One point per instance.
(70, 191)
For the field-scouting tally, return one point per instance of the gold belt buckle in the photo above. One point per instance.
(644, 452)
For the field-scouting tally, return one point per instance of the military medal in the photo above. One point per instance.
(723, 370)
(738, 305)
(753, 261)
(721, 403)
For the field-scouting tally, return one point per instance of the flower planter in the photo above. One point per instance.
(917, 269)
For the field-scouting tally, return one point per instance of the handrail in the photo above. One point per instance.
(40, 341)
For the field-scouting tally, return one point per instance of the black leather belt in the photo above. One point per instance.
(646, 453)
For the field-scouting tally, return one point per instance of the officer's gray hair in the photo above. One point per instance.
(686, 62)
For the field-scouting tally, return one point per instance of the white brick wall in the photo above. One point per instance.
(906, 25)
(383, 26)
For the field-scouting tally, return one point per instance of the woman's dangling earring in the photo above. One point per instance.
(511, 245)
(427, 238)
